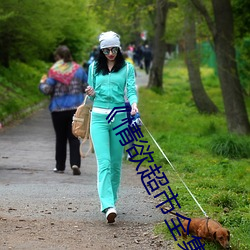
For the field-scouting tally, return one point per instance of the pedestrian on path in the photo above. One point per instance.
(147, 54)
(65, 84)
(107, 78)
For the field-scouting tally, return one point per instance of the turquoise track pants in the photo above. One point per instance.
(108, 151)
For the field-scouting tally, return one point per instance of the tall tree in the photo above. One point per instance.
(223, 38)
(159, 44)
(201, 99)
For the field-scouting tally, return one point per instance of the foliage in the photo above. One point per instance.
(175, 25)
(241, 17)
(27, 33)
(242, 37)
(220, 184)
(128, 18)
(243, 61)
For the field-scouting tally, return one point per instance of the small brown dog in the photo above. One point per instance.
(208, 229)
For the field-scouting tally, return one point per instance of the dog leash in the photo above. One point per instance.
(175, 170)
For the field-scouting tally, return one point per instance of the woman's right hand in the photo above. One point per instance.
(90, 91)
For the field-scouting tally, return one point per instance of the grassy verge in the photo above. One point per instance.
(214, 164)
(19, 88)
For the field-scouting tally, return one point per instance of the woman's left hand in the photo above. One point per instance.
(134, 109)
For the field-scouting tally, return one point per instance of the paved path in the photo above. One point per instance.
(26, 163)
(141, 78)
(31, 191)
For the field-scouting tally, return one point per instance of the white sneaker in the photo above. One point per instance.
(58, 171)
(111, 214)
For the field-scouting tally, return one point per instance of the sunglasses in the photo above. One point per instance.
(106, 51)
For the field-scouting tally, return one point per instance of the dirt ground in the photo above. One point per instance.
(40, 209)
(50, 234)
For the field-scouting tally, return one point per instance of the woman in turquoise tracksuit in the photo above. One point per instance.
(108, 78)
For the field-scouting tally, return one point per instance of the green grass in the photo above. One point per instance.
(19, 88)
(214, 164)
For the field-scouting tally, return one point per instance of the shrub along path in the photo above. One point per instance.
(44, 210)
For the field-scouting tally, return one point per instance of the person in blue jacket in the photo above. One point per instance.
(65, 83)
(109, 77)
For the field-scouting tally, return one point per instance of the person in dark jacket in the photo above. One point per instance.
(147, 54)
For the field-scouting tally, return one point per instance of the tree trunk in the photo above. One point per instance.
(235, 109)
(201, 99)
(159, 46)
